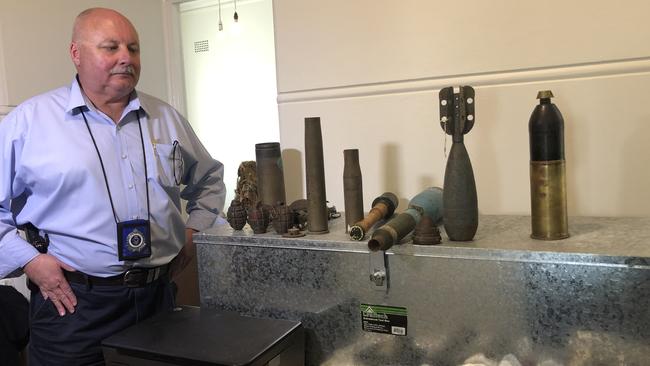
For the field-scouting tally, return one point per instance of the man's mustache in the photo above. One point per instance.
(123, 70)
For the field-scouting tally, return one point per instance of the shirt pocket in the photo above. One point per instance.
(164, 164)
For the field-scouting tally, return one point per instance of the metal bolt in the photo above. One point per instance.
(378, 278)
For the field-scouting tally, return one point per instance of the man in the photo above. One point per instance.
(97, 168)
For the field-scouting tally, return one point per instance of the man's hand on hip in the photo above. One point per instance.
(46, 272)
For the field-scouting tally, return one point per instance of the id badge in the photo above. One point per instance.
(133, 239)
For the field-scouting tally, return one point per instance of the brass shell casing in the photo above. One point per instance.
(548, 200)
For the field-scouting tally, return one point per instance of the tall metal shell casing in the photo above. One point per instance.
(315, 171)
(270, 175)
(352, 188)
(460, 201)
(548, 196)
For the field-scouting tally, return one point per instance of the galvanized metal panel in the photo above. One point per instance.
(580, 301)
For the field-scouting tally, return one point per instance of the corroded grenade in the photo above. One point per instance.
(282, 218)
(236, 215)
(258, 219)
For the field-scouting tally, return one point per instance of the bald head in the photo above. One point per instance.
(105, 50)
(89, 17)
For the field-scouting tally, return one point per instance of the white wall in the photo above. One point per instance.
(4, 97)
(35, 37)
(372, 71)
(231, 85)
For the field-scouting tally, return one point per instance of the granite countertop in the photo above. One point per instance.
(611, 241)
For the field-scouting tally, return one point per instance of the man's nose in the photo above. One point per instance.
(124, 56)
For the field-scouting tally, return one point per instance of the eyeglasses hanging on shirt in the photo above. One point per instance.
(133, 236)
(177, 160)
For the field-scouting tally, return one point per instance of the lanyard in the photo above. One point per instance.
(101, 162)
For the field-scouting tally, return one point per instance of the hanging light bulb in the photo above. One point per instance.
(220, 22)
(236, 27)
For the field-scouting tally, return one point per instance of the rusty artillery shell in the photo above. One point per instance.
(270, 175)
(383, 207)
(427, 202)
(397, 228)
(352, 188)
(315, 170)
(549, 219)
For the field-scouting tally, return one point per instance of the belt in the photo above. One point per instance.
(134, 277)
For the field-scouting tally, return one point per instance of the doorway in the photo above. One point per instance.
(230, 82)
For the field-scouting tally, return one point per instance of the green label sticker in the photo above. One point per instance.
(383, 319)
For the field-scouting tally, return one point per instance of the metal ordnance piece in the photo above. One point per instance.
(236, 215)
(282, 218)
(428, 202)
(246, 189)
(258, 219)
(460, 202)
(315, 170)
(352, 188)
(383, 208)
(548, 201)
(426, 232)
(299, 209)
(270, 175)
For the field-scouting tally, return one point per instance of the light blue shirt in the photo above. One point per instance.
(50, 175)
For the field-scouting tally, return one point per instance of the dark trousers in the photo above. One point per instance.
(75, 339)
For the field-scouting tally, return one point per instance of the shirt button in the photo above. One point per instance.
(134, 217)
(123, 156)
(130, 186)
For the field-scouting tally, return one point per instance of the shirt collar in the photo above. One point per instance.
(78, 99)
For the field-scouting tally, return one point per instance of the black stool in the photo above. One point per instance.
(196, 336)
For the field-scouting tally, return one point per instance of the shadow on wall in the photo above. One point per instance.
(392, 173)
(633, 195)
(293, 174)
(482, 142)
(426, 181)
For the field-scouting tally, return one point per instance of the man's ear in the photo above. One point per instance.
(74, 53)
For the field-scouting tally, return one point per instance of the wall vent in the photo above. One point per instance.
(201, 46)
